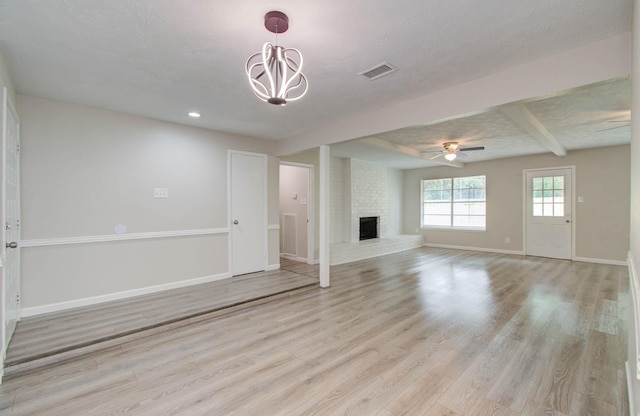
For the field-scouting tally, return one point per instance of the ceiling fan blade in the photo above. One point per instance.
(613, 128)
(466, 149)
(618, 121)
(436, 156)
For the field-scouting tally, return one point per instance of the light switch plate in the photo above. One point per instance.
(162, 193)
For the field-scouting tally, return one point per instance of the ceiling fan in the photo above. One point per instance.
(451, 149)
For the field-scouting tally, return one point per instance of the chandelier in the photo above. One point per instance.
(275, 74)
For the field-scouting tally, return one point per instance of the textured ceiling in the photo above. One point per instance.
(591, 116)
(163, 58)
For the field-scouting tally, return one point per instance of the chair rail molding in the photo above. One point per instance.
(43, 242)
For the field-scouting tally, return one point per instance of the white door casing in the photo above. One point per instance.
(11, 217)
(247, 212)
(306, 217)
(549, 213)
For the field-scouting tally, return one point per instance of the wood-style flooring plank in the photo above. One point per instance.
(41, 336)
(424, 332)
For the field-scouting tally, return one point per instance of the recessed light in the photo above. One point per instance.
(194, 114)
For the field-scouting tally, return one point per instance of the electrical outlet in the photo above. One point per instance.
(162, 193)
(507, 240)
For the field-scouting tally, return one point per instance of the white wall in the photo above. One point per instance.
(364, 189)
(85, 170)
(5, 78)
(340, 207)
(374, 192)
(273, 211)
(395, 196)
(602, 220)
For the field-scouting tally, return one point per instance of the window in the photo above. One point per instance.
(548, 196)
(454, 202)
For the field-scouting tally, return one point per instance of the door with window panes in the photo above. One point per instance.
(548, 208)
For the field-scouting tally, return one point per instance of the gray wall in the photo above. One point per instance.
(85, 170)
(602, 220)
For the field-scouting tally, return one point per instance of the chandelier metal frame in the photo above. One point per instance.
(275, 73)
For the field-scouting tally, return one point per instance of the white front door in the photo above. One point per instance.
(548, 207)
(11, 214)
(248, 212)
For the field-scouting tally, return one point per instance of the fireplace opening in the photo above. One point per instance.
(368, 228)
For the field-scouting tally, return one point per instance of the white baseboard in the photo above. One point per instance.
(294, 258)
(482, 249)
(300, 259)
(522, 253)
(272, 267)
(56, 307)
(600, 261)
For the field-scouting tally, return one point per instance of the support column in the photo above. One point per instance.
(633, 364)
(325, 200)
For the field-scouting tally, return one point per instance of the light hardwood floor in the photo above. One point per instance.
(423, 332)
(55, 333)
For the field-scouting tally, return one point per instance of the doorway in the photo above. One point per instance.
(296, 212)
(549, 213)
(247, 212)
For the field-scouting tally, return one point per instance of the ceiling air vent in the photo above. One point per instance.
(379, 71)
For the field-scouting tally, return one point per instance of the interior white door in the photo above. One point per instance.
(548, 200)
(248, 200)
(11, 213)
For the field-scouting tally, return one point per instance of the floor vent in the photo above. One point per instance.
(379, 71)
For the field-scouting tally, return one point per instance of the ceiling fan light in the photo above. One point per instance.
(450, 156)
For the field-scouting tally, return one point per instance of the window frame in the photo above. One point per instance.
(452, 203)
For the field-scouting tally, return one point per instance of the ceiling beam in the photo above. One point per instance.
(521, 115)
(406, 150)
(394, 147)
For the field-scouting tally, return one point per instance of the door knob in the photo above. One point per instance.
(235, 222)
(568, 221)
(12, 244)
